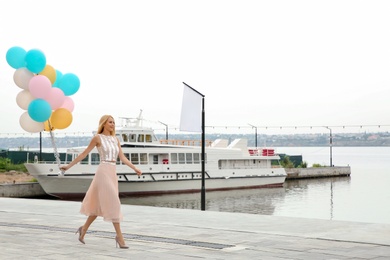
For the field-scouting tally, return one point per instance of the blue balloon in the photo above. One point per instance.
(58, 77)
(39, 110)
(69, 84)
(35, 60)
(16, 57)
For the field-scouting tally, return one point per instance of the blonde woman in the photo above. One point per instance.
(102, 197)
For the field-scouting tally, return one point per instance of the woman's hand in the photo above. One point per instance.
(64, 168)
(138, 171)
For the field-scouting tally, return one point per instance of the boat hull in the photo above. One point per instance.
(74, 185)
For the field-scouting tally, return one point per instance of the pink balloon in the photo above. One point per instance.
(39, 86)
(68, 104)
(55, 98)
(22, 77)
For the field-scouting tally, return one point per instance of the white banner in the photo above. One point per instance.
(191, 111)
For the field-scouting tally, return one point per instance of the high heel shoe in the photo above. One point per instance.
(79, 231)
(120, 245)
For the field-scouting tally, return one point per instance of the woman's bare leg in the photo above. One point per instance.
(119, 234)
(87, 223)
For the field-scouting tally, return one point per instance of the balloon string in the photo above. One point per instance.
(56, 155)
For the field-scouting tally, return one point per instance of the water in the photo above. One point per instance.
(362, 197)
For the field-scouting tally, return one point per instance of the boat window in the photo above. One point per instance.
(174, 158)
(124, 137)
(196, 158)
(189, 158)
(95, 159)
(144, 158)
(182, 159)
(127, 155)
(141, 138)
(155, 159)
(68, 158)
(134, 158)
(148, 138)
(132, 137)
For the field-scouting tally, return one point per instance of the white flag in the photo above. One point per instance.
(191, 111)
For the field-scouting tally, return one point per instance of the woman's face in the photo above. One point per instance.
(110, 124)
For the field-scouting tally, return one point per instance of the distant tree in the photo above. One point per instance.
(302, 165)
(287, 163)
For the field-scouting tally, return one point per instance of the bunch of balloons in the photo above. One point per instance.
(45, 93)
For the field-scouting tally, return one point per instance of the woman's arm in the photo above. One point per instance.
(123, 158)
(94, 142)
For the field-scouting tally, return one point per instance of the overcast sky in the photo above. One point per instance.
(266, 63)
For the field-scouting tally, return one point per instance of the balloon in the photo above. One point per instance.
(39, 110)
(24, 98)
(47, 127)
(22, 77)
(55, 98)
(68, 104)
(49, 72)
(35, 60)
(39, 86)
(69, 83)
(58, 77)
(30, 125)
(15, 57)
(61, 118)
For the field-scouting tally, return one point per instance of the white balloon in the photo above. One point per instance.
(22, 77)
(24, 98)
(29, 124)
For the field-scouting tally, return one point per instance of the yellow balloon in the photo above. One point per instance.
(49, 72)
(47, 127)
(61, 118)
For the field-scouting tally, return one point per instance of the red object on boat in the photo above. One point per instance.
(268, 152)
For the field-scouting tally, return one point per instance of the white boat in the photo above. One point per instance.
(167, 166)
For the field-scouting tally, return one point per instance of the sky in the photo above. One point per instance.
(263, 63)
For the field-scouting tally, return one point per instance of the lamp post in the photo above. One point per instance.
(166, 129)
(330, 144)
(255, 127)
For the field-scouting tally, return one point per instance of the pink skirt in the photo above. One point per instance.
(102, 197)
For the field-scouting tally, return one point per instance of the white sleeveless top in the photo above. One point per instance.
(108, 149)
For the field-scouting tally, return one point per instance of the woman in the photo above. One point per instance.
(102, 197)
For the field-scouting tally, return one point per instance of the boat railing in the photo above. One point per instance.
(186, 142)
(46, 162)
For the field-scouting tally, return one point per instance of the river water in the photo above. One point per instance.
(362, 197)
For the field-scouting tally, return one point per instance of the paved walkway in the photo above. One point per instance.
(45, 229)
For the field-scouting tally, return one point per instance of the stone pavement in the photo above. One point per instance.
(45, 229)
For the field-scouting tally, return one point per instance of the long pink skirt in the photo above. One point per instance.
(102, 197)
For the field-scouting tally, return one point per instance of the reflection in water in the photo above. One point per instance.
(257, 201)
(363, 197)
(300, 198)
(313, 198)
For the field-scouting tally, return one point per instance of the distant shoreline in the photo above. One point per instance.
(381, 139)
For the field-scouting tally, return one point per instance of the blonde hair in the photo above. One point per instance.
(102, 122)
